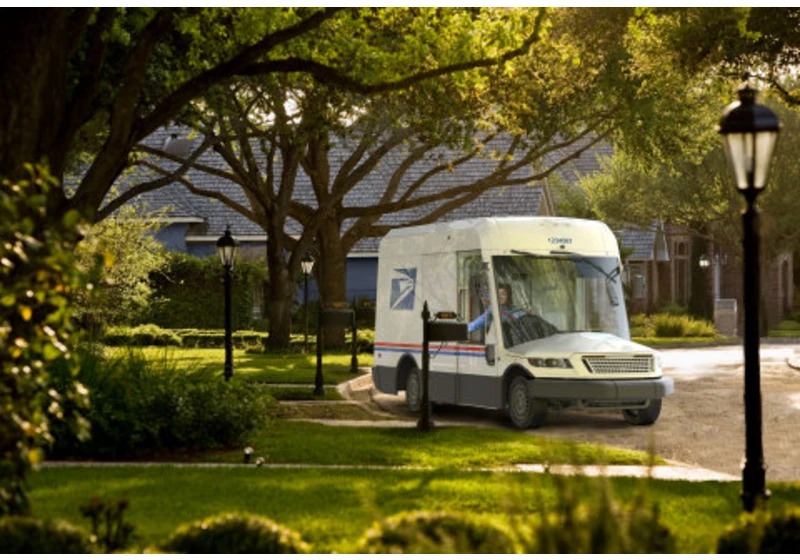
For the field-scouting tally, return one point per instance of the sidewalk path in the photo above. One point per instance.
(659, 472)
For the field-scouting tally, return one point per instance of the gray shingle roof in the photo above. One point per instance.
(512, 200)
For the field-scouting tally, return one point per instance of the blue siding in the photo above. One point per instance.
(173, 237)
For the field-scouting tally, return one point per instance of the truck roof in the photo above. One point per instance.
(535, 234)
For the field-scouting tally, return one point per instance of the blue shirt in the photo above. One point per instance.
(506, 313)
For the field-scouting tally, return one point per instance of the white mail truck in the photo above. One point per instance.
(547, 323)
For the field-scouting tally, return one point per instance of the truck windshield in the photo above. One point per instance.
(561, 292)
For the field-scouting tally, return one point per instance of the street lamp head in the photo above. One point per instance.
(703, 262)
(307, 262)
(750, 132)
(226, 249)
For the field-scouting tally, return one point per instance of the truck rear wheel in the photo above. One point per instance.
(643, 416)
(524, 410)
(414, 390)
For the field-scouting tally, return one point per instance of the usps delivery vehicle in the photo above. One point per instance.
(548, 328)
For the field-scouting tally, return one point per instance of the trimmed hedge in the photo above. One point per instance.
(235, 533)
(422, 532)
(189, 293)
(27, 535)
(143, 335)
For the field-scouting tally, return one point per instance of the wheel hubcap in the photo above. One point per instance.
(519, 402)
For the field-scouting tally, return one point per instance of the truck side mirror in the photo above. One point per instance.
(490, 354)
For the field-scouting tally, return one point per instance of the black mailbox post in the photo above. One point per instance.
(338, 315)
(435, 332)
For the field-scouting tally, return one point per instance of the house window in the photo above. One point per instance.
(681, 273)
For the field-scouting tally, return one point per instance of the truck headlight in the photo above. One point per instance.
(550, 363)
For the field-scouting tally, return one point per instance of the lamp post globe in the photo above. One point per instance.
(307, 263)
(226, 249)
(750, 133)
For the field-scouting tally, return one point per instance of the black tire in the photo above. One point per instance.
(524, 410)
(643, 416)
(414, 390)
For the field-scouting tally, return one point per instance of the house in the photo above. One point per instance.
(659, 260)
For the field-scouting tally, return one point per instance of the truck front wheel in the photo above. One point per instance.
(643, 416)
(414, 390)
(524, 410)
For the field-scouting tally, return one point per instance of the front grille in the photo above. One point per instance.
(622, 364)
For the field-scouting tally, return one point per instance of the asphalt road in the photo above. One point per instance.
(701, 424)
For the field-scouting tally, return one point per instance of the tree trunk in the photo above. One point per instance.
(281, 296)
(33, 87)
(332, 275)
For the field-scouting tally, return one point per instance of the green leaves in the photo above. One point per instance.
(38, 271)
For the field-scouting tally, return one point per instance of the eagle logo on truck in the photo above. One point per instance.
(404, 283)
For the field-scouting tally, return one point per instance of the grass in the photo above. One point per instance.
(447, 447)
(332, 508)
(786, 329)
(267, 368)
(302, 393)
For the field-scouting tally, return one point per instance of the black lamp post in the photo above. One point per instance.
(750, 132)
(704, 263)
(307, 262)
(226, 248)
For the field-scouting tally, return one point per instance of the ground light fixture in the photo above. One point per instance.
(226, 249)
(307, 263)
(750, 133)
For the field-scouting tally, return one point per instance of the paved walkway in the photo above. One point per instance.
(658, 472)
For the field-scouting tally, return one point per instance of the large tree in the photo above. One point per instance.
(95, 82)
(574, 89)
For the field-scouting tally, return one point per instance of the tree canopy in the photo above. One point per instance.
(93, 82)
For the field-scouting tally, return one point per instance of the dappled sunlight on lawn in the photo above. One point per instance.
(269, 368)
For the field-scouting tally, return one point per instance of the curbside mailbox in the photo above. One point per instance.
(434, 331)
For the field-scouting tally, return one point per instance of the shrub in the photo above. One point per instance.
(27, 535)
(140, 406)
(38, 277)
(437, 532)
(666, 325)
(235, 533)
(588, 520)
(189, 293)
(763, 533)
(142, 335)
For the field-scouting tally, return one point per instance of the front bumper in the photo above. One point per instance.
(608, 390)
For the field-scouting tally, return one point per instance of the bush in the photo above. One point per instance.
(26, 535)
(592, 522)
(140, 406)
(38, 278)
(189, 293)
(763, 533)
(437, 532)
(668, 325)
(233, 533)
(143, 335)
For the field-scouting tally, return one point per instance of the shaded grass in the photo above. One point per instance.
(332, 508)
(267, 368)
(303, 393)
(451, 447)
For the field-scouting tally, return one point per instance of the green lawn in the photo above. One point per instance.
(268, 368)
(451, 447)
(332, 508)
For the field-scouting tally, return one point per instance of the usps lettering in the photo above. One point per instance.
(404, 283)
